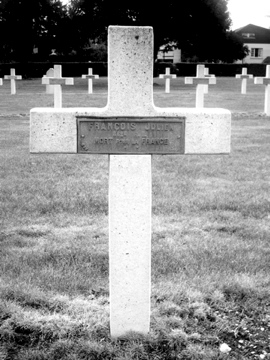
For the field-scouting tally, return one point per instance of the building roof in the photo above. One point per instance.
(254, 34)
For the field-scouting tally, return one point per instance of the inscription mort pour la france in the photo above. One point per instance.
(127, 136)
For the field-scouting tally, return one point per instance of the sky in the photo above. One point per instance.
(244, 12)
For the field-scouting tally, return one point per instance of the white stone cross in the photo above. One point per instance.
(50, 88)
(167, 76)
(244, 76)
(13, 77)
(206, 74)
(200, 80)
(130, 128)
(57, 81)
(265, 81)
(90, 76)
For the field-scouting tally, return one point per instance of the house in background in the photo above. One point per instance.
(172, 56)
(257, 39)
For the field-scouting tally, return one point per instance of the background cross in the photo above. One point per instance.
(200, 80)
(265, 81)
(13, 77)
(57, 81)
(90, 76)
(167, 76)
(244, 76)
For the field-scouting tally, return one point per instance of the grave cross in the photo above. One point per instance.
(244, 76)
(13, 77)
(57, 81)
(130, 128)
(265, 81)
(206, 74)
(90, 76)
(167, 76)
(50, 88)
(200, 80)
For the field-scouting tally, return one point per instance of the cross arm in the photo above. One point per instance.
(167, 76)
(207, 131)
(57, 81)
(90, 76)
(261, 81)
(240, 76)
(13, 77)
(201, 80)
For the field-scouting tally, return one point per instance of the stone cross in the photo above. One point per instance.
(130, 128)
(244, 76)
(90, 76)
(50, 88)
(13, 77)
(57, 81)
(167, 76)
(206, 74)
(200, 80)
(265, 81)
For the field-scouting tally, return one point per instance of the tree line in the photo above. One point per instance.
(35, 29)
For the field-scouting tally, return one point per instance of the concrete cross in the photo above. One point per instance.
(13, 77)
(206, 74)
(167, 76)
(265, 81)
(57, 81)
(200, 80)
(90, 76)
(50, 88)
(244, 76)
(130, 129)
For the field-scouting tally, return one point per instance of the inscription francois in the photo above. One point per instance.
(129, 135)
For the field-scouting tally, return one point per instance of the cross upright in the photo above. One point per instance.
(244, 76)
(206, 74)
(90, 76)
(130, 129)
(57, 81)
(13, 77)
(200, 80)
(265, 81)
(167, 76)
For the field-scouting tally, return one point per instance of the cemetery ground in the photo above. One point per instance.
(210, 240)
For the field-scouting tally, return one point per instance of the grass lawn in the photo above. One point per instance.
(210, 242)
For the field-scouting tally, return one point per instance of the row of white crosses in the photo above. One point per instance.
(258, 81)
(130, 129)
(54, 81)
(202, 79)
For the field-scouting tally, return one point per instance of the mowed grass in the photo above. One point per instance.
(210, 242)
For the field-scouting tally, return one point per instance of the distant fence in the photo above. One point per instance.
(76, 69)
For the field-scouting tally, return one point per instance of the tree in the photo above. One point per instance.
(199, 27)
(29, 24)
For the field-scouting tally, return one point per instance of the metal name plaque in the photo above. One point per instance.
(131, 135)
